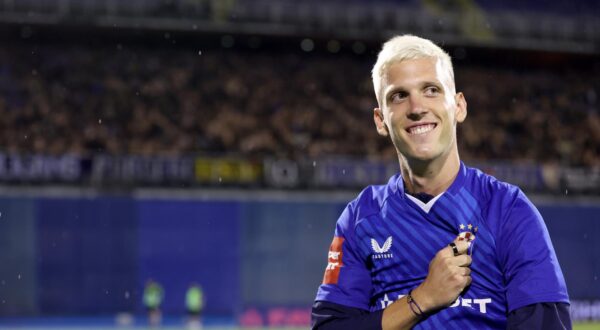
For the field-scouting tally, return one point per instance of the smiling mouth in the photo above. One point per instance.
(420, 129)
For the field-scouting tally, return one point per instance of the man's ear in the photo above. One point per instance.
(380, 122)
(461, 107)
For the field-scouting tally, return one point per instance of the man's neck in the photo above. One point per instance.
(430, 177)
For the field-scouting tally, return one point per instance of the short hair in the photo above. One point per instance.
(407, 47)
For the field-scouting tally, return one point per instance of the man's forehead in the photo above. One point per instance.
(426, 64)
(411, 71)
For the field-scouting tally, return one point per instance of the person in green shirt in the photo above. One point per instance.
(153, 297)
(194, 303)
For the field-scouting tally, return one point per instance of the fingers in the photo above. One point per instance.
(461, 248)
(466, 271)
(462, 278)
(463, 260)
(461, 245)
(449, 274)
(469, 279)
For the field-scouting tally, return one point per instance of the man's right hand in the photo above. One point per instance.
(448, 276)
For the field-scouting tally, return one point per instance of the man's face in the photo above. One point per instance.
(419, 109)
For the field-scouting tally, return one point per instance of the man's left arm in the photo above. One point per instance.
(536, 290)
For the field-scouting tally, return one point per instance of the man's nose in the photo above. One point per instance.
(416, 108)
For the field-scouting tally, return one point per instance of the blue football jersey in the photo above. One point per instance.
(385, 239)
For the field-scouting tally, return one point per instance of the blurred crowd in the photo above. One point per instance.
(58, 99)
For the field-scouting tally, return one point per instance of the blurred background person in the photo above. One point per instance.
(153, 297)
(194, 303)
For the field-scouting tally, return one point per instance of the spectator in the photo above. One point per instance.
(147, 101)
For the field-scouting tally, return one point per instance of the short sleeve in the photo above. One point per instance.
(346, 281)
(531, 270)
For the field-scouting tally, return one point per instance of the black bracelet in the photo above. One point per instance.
(412, 304)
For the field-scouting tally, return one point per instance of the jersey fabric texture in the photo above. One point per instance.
(384, 242)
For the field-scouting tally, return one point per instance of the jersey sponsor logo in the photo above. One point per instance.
(475, 303)
(387, 301)
(334, 261)
(468, 302)
(382, 251)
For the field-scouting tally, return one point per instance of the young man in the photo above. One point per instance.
(442, 245)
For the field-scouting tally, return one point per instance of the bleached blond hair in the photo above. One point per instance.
(407, 47)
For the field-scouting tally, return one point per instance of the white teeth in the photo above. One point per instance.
(421, 129)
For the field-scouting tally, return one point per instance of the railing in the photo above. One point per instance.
(230, 172)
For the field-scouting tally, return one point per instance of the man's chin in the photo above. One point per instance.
(421, 155)
(418, 158)
(424, 157)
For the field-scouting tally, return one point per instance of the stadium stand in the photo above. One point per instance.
(133, 99)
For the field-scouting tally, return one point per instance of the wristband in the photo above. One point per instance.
(414, 307)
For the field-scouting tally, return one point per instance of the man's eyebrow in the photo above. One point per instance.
(394, 89)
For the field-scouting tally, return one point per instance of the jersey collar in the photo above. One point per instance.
(454, 188)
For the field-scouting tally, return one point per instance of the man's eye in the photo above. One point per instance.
(432, 91)
(397, 96)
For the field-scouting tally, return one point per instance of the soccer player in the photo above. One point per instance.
(441, 245)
